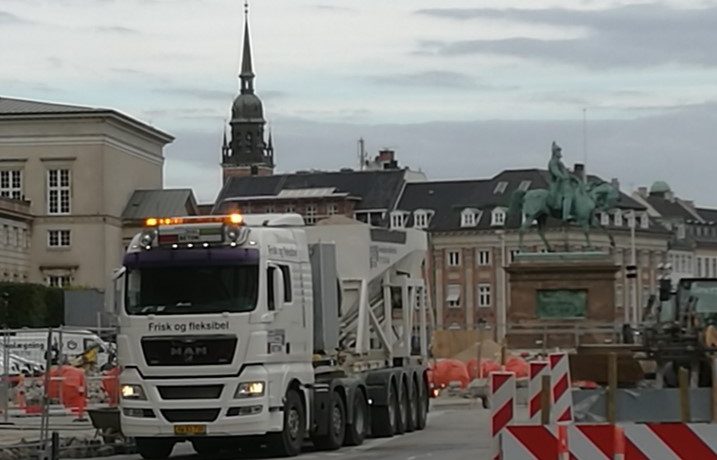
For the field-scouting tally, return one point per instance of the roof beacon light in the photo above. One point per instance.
(236, 219)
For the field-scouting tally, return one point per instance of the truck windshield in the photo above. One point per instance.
(705, 292)
(184, 290)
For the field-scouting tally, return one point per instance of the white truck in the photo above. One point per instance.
(236, 332)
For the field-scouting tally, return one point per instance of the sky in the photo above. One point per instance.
(459, 88)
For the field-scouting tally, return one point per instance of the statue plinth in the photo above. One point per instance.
(560, 291)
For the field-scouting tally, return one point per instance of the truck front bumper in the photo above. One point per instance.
(222, 416)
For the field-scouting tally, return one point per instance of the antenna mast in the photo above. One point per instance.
(361, 154)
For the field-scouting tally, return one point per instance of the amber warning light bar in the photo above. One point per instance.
(236, 219)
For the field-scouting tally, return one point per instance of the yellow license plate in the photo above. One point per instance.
(190, 430)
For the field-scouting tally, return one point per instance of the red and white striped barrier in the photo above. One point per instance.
(562, 396)
(535, 386)
(502, 405)
(649, 441)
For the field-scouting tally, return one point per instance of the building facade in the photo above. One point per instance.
(76, 168)
(473, 239)
(15, 233)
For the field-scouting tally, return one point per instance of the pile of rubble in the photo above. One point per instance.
(69, 448)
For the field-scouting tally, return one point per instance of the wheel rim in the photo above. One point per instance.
(294, 423)
(336, 419)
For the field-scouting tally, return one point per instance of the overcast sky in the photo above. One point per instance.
(459, 88)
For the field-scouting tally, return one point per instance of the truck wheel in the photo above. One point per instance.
(334, 439)
(288, 442)
(383, 418)
(154, 448)
(413, 402)
(356, 431)
(402, 412)
(422, 414)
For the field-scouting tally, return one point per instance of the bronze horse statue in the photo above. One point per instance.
(538, 204)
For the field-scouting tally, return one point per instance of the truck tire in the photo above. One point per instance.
(334, 439)
(413, 402)
(288, 442)
(383, 418)
(154, 448)
(356, 431)
(402, 412)
(422, 414)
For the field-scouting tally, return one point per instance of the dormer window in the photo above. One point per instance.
(398, 219)
(500, 188)
(420, 218)
(470, 217)
(644, 221)
(498, 217)
(524, 186)
(618, 218)
(605, 219)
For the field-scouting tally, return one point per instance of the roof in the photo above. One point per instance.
(14, 108)
(708, 215)
(376, 189)
(448, 199)
(160, 203)
(670, 209)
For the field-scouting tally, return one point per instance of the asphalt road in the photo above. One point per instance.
(457, 432)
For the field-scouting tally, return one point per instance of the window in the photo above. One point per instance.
(310, 214)
(421, 219)
(289, 208)
(644, 221)
(605, 218)
(619, 296)
(470, 217)
(58, 238)
(512, 254)
(58, 281)
(397, 219)
(332, 209)
(12, 236)
(483, 257)
(524, 186)
(618, 218)
(498, 217)
(11, 184)
(484, 299)
(286, 275)
(270, 209)
(454, 258)
(453, 297)
(699, 266)
(58, 191)
(500, 188)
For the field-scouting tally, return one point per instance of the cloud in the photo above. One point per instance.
(325, 7)
(11, 19)
(117, 30)
(630, 36)
(199, 93)
(442, 79)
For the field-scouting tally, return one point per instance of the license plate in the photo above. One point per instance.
(190, 430)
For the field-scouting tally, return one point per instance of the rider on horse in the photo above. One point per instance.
(563, 184)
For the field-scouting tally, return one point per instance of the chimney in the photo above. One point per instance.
(642, 191)
(386, 155)
(615, 183)
(579, 171)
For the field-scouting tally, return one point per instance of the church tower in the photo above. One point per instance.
(247, 153)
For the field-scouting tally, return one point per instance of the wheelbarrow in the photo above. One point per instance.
(106, 421)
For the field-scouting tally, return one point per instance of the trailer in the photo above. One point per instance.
(255, 331)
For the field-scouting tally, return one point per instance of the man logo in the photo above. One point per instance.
(188, 352)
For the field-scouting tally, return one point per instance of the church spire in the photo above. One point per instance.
(247, 69)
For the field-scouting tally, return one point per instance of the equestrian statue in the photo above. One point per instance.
(568, 199)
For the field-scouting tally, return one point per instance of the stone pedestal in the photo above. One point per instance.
(560, 299)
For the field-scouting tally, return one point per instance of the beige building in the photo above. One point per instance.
(15, 226)
(473, 239)
(77, 167)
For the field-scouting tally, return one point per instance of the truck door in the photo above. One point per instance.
(287, 305)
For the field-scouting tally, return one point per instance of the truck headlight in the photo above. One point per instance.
(133, 392)
(250, 390)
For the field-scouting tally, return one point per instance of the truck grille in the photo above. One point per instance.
(190, 415)
(189, 350)
(190, 392)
